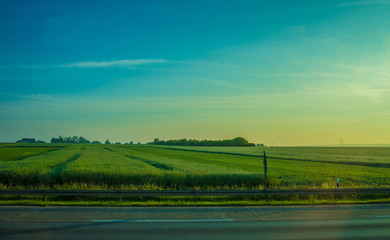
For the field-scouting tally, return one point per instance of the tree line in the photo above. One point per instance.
(74, 139)
(77, 139)
(236, 142)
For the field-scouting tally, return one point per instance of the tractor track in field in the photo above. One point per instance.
(51, 149)
(60, 167)
(364, 164)
(157, 165)
(57, 170)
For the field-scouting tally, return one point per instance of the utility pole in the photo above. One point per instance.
(265, 173)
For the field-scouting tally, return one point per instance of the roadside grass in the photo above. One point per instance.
(193, 201)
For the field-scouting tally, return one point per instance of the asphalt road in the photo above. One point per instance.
(370, 221)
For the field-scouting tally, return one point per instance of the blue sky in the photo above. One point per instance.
(275, 72)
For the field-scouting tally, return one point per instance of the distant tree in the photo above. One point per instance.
(40, 141)
(83, 140)
(60, 139)
(118, 143)
(131, 143)
(96, 142)
(240, 141)
(74, 139)
(107, 142)
(182, 142)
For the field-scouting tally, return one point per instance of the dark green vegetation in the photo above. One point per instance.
(86, 166)
(238, 142)
(192, 201)
(74, 139)
(19, 152)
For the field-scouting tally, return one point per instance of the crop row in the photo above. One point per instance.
(151, 167)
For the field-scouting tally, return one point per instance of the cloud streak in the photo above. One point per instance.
(116, 63)
(363, 3)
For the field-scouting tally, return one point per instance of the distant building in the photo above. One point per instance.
(26, 140)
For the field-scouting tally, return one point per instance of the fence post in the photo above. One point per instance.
(265, 173)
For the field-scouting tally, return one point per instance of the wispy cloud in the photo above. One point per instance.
(116, 63)
(23, 66)
(102, 64)
(362, 3)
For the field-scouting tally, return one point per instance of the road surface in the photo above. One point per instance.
(371, 221)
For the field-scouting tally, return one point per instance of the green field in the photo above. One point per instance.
(78, 166)
(18, 152)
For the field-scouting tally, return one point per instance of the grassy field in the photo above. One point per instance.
(77, 166)
(18, 152)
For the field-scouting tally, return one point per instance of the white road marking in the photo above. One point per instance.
(383, 216)
(162, 221)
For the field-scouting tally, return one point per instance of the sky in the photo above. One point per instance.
(282, 73)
